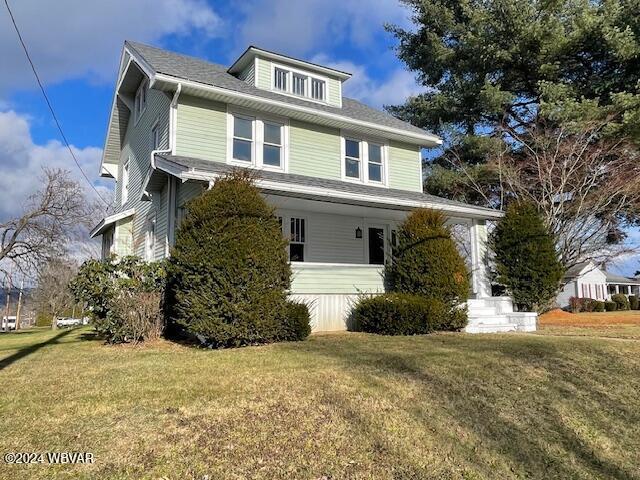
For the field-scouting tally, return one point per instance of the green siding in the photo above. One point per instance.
(405, 169)
(189, 190)
(249, 74)
(314, 150)
(123, 237)
(334, 91)
(201, 129)
(137, 146)
(336, 279)
(263, 74)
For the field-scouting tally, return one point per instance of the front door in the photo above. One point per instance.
(376, 246)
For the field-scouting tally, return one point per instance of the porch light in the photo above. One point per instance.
(358, 232)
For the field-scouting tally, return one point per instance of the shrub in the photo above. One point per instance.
(426, 262)
(229, 272)
(295, 322)
(610, 306)
(119, 293)
(588, 304)
(526, 259)
(634, 303)
(399, 314)
(621, 300)
(575, 304)
(598, 306)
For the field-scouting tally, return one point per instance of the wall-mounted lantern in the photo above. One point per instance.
(358, 232)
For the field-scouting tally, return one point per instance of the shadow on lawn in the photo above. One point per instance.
(529, 431)
(23, 352)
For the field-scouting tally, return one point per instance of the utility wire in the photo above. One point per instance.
(53, 113)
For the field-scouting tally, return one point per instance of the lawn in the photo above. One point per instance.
(336, 406)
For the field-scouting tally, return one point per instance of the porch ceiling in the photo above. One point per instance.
(324, 190)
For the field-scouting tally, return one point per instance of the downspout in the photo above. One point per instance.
(173, 119)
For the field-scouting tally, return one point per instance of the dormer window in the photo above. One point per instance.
(140, 102)
(317, 89)
(299, 83)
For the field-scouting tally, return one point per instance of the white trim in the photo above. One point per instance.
(257, 127)
(106, 221)
(363, 145)
(143, 88)
(125, 181)
(307, 84)
(408, 136)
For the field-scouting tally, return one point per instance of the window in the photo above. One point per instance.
(280, 79)
(272, 146)
(140, 101)
(155, 137)
(375, 163)
(299, 83)
(352, 158)
(243, 139)
(317, 89)
(150, 239)
(125, 181)
(296, 239)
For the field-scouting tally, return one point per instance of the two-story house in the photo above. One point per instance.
(341, 175)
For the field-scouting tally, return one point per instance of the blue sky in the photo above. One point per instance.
(77, 52)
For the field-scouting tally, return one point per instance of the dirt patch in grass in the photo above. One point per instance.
(559, 317)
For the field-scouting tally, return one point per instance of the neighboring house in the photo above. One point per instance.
(587, 280)
(341, 175)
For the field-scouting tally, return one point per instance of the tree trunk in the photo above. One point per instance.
(54, 324)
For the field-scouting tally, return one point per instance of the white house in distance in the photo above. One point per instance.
(587, 280)
(340, 174)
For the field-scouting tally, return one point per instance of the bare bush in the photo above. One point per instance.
(140, 314)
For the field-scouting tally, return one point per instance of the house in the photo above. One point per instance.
(341, 175)
(587, 280)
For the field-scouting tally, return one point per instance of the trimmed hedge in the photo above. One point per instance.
(405, 314)
(610, 306)
(634, 303)
(598, 306)
(621, 300)
(295, 322)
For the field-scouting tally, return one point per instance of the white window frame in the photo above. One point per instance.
(139, 106)
(364, 142)
(307, 86)
(156, 137)
(150, 238)
(124, 190)
(286, 227)
(257, 146)
(324, 90)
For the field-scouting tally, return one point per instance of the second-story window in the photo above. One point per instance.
(317, 89)
(280, 79)
(155, 136)
(243, 139)
(352, 158)
(140, 101)
(272, 145)
(125, 182)
(375, 163)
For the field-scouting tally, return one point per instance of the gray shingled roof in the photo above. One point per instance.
(613, 278)
(335, 185)
(201, 71)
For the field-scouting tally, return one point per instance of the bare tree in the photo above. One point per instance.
(50, 219)
(52, 294)
(586, 185)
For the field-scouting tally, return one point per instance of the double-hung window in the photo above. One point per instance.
(352, 158)
(317, 89)
(243, 138)
(140, 101)
(296, 239)
(124, 194)
(364, 161)
(258, 142)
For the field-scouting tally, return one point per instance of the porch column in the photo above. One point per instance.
(617, 288)
(479, 271)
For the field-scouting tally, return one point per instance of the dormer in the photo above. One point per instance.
(290, 76)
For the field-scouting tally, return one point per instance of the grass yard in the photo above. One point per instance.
(623, 324)
(334, 407)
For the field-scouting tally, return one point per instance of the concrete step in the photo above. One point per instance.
(475, 310)
(491, 328)
(488, 320)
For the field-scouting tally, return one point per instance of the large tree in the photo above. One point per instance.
(501, 74)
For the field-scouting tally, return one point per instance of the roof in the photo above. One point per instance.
(110, 220)
(614, 278)
(302, 186)
(577, 269)
(197, 70)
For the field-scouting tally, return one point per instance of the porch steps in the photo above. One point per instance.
(494, 315)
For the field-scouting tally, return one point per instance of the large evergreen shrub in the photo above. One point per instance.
(526, 260)
(426, 261)
(634, 303)
(621, 301)
(229, 273)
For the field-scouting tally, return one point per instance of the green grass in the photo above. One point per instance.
(336, 406)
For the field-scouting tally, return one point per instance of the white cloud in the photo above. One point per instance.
(301, 27)
(22, 160)
(398, 85)
(79, 38)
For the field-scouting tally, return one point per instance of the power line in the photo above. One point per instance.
(53, 113)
